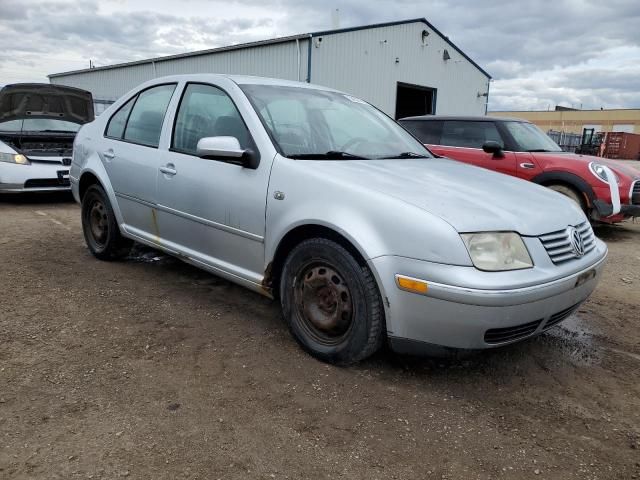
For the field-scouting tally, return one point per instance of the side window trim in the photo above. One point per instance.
(135, 99)
(126, 124)
(177, 112)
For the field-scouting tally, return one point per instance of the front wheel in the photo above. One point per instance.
(569, 193)
(100, 228)
(331, 302)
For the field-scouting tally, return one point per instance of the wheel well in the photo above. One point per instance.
(294, 238)
(586, 202)
(86, 180)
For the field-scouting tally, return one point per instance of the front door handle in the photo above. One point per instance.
(527, 166)
(109, 154)
(169, 169)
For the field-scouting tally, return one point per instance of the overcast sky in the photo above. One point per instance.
(540, 53)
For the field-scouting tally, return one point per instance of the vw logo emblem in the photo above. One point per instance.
(576, 242)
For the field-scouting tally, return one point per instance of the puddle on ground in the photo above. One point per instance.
(140, 253)
(576, 340)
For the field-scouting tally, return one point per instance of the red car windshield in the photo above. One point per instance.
(529, 138)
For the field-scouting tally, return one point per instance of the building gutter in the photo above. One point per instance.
(309, 58)
(486, 104)
(298, 50)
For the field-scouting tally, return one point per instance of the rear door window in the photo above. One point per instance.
(145, 122)
(469, 134)
(427, 131)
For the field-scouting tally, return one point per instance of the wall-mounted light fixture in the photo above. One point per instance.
(445, 55)
(425, 34)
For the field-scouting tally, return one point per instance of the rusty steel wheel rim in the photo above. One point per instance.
(323, 303)
(98, 222)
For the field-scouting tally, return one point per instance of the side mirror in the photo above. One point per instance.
(227, 149)
(491, 146)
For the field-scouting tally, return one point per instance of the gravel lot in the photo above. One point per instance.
(151, 369)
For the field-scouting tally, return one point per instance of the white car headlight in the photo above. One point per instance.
(497, 251)
(14, 158)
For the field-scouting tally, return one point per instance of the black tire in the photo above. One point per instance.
(569, 193)
(101, 232)
(331, 302)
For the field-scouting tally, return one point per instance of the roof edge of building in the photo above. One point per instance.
(272, 41)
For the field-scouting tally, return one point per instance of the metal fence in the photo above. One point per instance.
(567, 141)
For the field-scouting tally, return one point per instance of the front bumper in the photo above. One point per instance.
(606, 209)
(49, 176)
(458, 317)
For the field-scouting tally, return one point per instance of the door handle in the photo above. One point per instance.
(169, 169)
(527, 166)
(109, 154)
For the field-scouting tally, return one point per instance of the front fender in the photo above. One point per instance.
(376, 224)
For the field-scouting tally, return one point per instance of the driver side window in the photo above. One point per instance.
(206, 111)
(469, 134)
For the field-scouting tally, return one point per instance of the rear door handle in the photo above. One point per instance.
(169, 169)
(109, 154)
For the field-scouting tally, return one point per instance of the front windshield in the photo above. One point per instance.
(39, 125)
(529, 138)
(310, 123)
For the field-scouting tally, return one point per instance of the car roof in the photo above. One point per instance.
(238, 79)
(463, 118)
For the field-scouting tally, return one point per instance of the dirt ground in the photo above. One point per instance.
(151, 369)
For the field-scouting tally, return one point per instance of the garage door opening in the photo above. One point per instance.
(412, 100)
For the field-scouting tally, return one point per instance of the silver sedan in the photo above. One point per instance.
(315, 197)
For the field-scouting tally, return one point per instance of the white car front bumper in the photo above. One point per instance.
(46, 174)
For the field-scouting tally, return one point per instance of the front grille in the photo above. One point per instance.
(635, 193)
(500, 335)
(559, 244)
(46, 183)
(556, 318)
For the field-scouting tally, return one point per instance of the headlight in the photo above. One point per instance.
(497, 251)
(598, 170)
(14, 158)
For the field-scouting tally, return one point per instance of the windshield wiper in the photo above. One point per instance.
(408, 155)
(54, 131)
(538, 150)
(330, 155)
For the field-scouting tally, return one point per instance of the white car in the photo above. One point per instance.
(38, 124)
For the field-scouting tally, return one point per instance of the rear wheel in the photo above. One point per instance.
(570, 193)
(100, 228)
(331, 302)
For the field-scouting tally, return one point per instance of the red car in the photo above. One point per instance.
(607, 190)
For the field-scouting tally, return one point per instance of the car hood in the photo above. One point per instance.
(617, 166)
(469, 198)
(41, 100)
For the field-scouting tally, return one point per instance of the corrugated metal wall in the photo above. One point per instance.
(363, 63)
(360, 62)
(276, 60)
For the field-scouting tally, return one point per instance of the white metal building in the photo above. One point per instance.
(404, 68)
